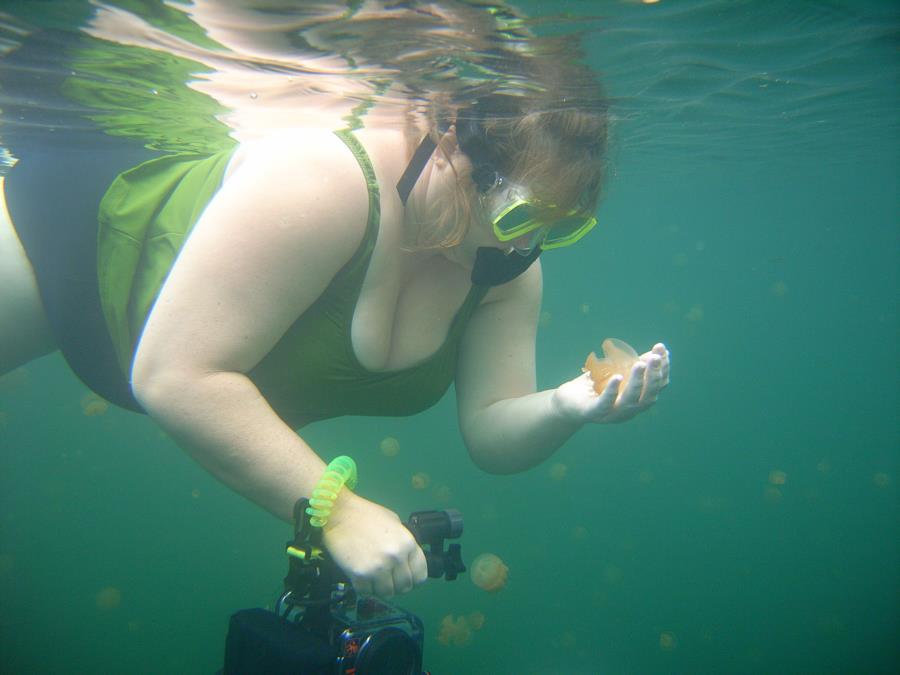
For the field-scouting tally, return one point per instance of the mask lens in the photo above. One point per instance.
(515, 221)
(567, 231)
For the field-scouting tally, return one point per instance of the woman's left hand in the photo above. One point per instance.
(577, 399)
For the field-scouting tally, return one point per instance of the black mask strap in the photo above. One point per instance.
(417, 163)
(415, 167)
(493, 267)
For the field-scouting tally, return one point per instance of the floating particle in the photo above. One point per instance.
(108, 598)
(92, 405)
(881, 479)
(777, 477)
(195, 493)
(546, 318)
(420, 480)
(389, 446)
(772, 494)
(823, 466)
(646, 477)
(584, 308)
(558, 471)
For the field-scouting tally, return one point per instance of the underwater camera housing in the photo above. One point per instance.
(321, 626)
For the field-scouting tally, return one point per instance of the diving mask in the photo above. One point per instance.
(517, 218)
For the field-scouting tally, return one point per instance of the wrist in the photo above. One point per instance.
(562, 407)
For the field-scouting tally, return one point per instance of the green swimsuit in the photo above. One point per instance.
(312, 373)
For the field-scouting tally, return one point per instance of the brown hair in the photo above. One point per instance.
(551, 139)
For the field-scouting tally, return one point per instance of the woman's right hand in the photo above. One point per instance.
(373, 547)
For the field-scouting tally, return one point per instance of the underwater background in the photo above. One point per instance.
(747, 524)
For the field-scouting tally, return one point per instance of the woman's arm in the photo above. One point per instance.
(508, 426)
(265, 248)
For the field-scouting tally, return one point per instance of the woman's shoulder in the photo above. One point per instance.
(299, 148)
(526, 288)
(293, 188)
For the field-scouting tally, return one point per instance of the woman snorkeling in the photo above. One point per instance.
(238, 295)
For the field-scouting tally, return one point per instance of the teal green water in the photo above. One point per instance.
(747, 524)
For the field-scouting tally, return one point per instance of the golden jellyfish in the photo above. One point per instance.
(772, 495)
(488, 572)
(420, 480)
(779, 289)
(667, 641)
(455, 631)
(389, 446)
(443, 493)
(618, 358)
(580, 532)
(694, 314)
(558, 471)
(881, 479)
(13, 380)
(475, 620)
(92, 405)
(777, 477)
(108, 598)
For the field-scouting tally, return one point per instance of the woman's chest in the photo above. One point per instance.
(405, 311)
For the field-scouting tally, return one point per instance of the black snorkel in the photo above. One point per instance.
(492, 266)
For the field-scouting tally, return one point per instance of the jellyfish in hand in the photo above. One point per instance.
(618, 358)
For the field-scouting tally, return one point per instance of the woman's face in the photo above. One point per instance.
(437, 187)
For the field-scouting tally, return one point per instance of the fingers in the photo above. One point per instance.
(419, 566)
(631, 395)
(610, 394)
(402, 578)
(399, 575)
(660, 350)
(655, 375)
